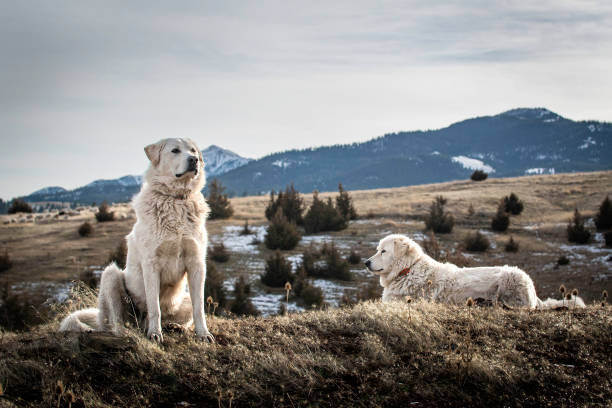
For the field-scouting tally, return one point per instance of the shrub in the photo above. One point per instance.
(323, 216)
(438, 220)
(220, 206)
(281, 234)
(513, 205)
(103, 214)
(119, 255)
(344, 204)
(603, 219)
(576, 231)
(290, 201)
(18, 205)
(88, 277)
(242, 305)
(563, 260)
(479, 175)
(432, 247)
(17, 312)
(608, 238)
(5, 262)
(476, 242)
(308, 295)
(85, 229)
(218, 253)
(334, 267)
(278, 271)
(246, 230)
(501, 220)
(511, 245)
(354, 258)
(213, 286)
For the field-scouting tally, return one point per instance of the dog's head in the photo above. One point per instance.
(394, 252)
(176, 163)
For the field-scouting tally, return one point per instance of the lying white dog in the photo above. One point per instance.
(404, 269)
(166, 250)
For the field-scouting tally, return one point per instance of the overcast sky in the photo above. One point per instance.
(84, 85)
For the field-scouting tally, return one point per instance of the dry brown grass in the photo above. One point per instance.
(372, 354)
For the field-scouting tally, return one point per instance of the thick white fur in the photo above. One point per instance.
(166, 250)
(449, 283)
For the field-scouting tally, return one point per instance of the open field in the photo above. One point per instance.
(370, 355)
(48, 253)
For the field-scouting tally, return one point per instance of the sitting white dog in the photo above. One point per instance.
(166, 251)
(404, 269)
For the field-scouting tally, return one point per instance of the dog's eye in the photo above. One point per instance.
(383, 251)
(175, 150)
(192, 150)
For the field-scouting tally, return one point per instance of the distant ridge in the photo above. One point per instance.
(516, 142)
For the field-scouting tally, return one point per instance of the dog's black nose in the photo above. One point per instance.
(367, 263)
(192, 160)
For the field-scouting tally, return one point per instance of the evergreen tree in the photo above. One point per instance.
(290, 201)
(214, 285)
(439, 220)
(242, 304)
(281, 234)
(278, 271)
(576, 231)
(344, 204)
(220, 206)
(603, 219)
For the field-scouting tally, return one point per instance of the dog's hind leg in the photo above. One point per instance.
(111, 300)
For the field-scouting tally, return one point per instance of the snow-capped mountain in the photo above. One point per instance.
(218, 160)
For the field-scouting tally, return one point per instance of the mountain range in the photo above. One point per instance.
(517, 142)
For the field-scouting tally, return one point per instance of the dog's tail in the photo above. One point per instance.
(575, 302)
(85, 320)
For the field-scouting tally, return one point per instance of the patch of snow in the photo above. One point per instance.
(332, 290)
(472, 164)
(235, 242)
(435, 153)
(540, 170)
(268, 304)
(588, 142)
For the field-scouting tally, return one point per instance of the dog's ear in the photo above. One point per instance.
(400, 247)
(153, 152)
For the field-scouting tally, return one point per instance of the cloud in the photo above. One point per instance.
(98, 80)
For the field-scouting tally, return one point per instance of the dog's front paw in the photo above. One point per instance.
(156, 336)
(206, 336)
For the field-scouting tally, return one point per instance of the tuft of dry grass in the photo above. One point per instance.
(371, 354)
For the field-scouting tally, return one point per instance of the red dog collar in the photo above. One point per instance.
(404, 272)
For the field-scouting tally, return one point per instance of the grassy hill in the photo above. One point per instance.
(373, 354)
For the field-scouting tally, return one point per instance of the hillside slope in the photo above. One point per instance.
(513, 143)
(370, 355)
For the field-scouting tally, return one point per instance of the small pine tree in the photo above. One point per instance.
(501, 220)
(513, 204)
(218, 201)
(242, 305)
(438, 220)
(354, 258)
(281, 234)
(511, 245)
(323, 216)
(290, 201)
(576, 231)
(608, 238)
(277, 272)
(85, 229)
(218, 253)
(245, 229)
(5, 261)
(119, 255)
(344, 204)
(104, 214)
(479, 175)
(477, 242)
(214, 285)
(308, 295)
(603, 219)
(19, 205)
